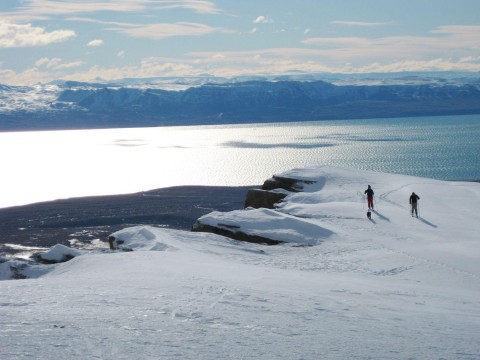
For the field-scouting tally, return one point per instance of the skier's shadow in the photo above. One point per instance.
(383, 217)
(427, 222)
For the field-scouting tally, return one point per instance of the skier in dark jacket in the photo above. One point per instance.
(413, 201)
(369, 193)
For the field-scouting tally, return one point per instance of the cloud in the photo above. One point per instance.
(102, 22)
(45, 70)
(56, 64)
(276, 61)
(95, 43)
(26, 35)
(165, 30)
(121, 54)
(262, 20)
(451, 41)
(290, 60)
(49, 8)
(358, 23)
(420, 65)
(199, 6)
(48, 63)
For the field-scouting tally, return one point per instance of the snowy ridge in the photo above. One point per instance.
(28, 98)
(211, 100)
(395, 287)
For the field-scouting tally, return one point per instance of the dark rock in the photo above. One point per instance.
(266, 197)
(236, 235)
(278, 182)
(42, 260)
(257, 198)
(16, 272)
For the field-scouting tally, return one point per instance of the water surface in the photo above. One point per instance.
(38, 166)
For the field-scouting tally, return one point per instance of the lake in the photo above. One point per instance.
(39, 166)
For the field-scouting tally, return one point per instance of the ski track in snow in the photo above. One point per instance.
(393, 288)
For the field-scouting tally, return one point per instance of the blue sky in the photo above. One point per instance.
(44, 40)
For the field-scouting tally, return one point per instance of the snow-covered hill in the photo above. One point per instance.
(395, 287)
(211, 100)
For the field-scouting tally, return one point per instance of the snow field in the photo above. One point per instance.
(395, 287)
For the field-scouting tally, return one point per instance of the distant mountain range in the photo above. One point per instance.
(209, 100)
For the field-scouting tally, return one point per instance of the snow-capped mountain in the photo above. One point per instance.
(210, 100)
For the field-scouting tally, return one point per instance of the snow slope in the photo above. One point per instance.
(395, 287)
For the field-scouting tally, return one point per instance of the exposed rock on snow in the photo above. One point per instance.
(233, 232)
(58, 253)
(395, 287)
(257, 198)
(262, 226)
(137, 238)
(282, 182)
(287, 228)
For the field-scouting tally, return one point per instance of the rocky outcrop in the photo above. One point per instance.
(257, 198)
(288, 184)
(273, 191)
(277, 182)
(234, 233)
(57, 254)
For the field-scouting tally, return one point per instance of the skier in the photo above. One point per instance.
(369, 193)
(413, 201)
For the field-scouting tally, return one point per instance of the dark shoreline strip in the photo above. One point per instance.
(95, 217)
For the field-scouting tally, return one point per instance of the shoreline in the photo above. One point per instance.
(84, 219)
(81, 220)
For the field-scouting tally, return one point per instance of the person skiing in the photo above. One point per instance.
(413, 201)
(369, 193)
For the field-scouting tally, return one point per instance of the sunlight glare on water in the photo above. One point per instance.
(60, 164)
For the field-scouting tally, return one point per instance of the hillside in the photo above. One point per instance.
(74, 105)
(340, 286)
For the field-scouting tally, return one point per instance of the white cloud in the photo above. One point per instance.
(199, 6)
(95, 43)
(26, 35)
(162, 31)
(468, 59)
(102, 22)
(419, 65)
(358, 23)
(46, 62)
(48, 8)
(451, 41)
(286, 60)
(262, 20)
(261, 62)
(121, 54)
(56, 64)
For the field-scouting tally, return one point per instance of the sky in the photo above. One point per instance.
(91, 40)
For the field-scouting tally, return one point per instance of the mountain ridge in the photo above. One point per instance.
(78, 105)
